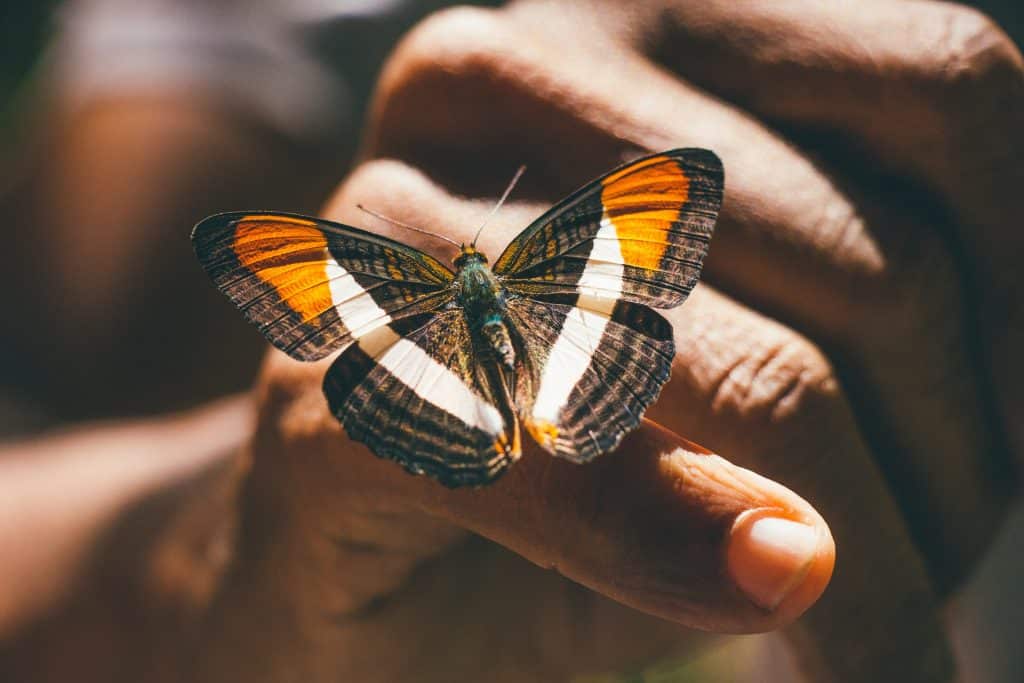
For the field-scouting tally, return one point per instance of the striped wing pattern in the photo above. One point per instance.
(590, 371)
(419, 396)
(311, 286)
(639, 233)
(417, 385)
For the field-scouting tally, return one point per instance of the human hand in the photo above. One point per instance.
(869, 209)
(339, 540)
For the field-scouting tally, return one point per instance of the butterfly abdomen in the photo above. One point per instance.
(499, 342)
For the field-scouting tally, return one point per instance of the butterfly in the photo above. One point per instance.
(441, 369)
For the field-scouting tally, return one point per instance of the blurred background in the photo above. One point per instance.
(122, 123)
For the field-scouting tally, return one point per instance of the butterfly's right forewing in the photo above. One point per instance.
(312, 286)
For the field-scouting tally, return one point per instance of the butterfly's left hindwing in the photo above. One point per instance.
(419, 396)
(312, 286)
(589, 372)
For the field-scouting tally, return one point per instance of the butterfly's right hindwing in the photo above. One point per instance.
(419, 396)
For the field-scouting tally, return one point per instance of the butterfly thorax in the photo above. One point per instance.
(482, 298)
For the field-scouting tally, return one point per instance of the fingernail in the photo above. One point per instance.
(768, 557)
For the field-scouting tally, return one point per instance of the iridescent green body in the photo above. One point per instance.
(482, 297)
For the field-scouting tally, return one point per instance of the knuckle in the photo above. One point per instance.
(454, 78)
(974, 55)
(450, 41)
(784, 381)
(376, 183)
(470, 81)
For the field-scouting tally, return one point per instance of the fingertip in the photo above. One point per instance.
(778, 562)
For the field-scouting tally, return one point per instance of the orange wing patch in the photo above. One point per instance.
(285, 257)
(544, 433)
(643, 203)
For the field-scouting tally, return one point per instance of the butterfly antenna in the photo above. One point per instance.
(508, 191)
(407, 226)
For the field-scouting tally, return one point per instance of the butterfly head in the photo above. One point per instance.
(468, 254)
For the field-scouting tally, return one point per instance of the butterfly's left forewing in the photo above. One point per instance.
(639, 233)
